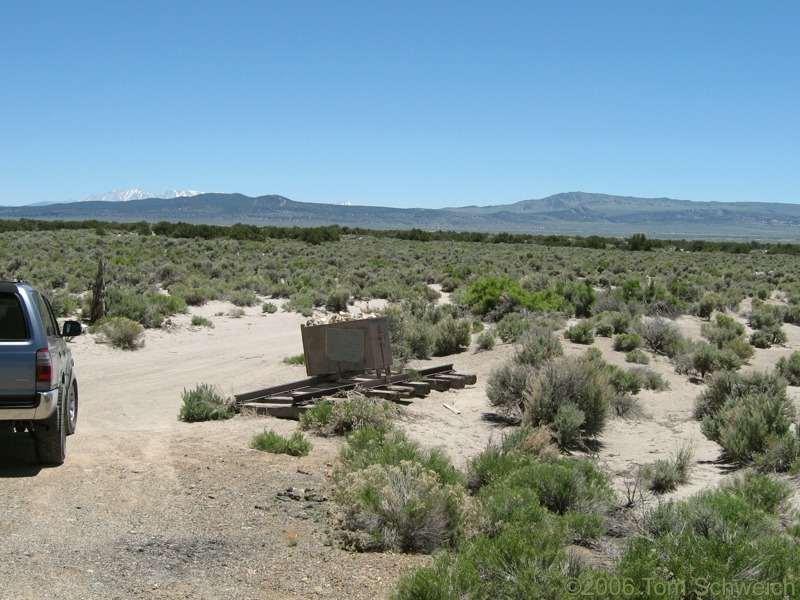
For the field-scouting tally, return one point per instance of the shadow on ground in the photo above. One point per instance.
(17, 456)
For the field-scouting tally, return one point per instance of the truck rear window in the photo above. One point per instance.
(12, 320)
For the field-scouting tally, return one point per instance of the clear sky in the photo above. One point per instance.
(401, 103)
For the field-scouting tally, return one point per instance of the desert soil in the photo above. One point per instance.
(149, 506)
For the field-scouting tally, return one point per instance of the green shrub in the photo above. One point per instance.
(725, 385)
(401, 507)
(236, 312)
(338, 300)
(269, 441)
(567, 424)
(243, 298)
(580, 295)
(516, 563)
(576, 381)
(723, 330)
(638, 357)
(619, 321)
(666, 475)
(120, 332)
(580, 333)
(706, 305)
(537, 346)
(566, 486)
(302, 303)
(505, 388)
(297, 359)
(715, 536)
(746, 426)
(765, 317)
(625, 406)
(604, 329)
(741, 348)
(627, 380)
(344, 416)
(269, 308)
(495, 464)
(385, 446)
(203, 403)
(780, 454)
(789, 368)
(199, 321)
(761, 491)
(627, 342)
(512, 326)
(488, 294)
(707, 358)
(451, 335)
(661, 336)
(485, 340)
(419, 340)
(654, 381)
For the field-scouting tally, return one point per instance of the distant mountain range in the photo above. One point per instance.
(137, 194)
(574, 213)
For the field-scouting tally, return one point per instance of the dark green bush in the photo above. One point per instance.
(765, 317)
(451, 336)
(580, 382)
(789, 368)
(725, 385)
(745, 426)
(346, 415)
(661, 336)
(386, 446)
(485, 340)
(537, 346)
(338, 300)
(723, 330)
(402, 507)
(580, 333)
(638, 357)
(626, 342)
(243, 298)
(627, 380)
(604, 329)
(716, 536)
(512, 326)
(505, 388)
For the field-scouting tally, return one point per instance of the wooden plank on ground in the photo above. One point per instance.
(440, 385)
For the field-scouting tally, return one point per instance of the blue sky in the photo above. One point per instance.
(405, 103)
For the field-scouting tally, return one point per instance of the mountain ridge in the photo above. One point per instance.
(568, 213)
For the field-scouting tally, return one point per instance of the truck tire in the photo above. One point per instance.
(52, 449)
(72, 407)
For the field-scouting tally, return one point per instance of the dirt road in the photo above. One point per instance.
(148, 506)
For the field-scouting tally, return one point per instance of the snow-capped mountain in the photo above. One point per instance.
(137, 194)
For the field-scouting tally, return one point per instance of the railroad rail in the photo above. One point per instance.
(289, 400)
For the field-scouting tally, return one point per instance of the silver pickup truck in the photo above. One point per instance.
(38, 389)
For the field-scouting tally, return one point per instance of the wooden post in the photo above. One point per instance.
(98, 310)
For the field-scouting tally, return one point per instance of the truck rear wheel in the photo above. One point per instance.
(51, 447)
(72, 407)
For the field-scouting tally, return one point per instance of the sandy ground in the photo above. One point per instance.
(148, 505)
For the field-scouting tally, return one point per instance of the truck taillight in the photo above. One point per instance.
(44, 366)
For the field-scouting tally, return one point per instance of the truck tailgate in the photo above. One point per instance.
(17, 375)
